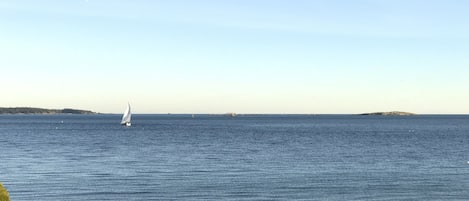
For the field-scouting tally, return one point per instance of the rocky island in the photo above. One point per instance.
(393, 113)
(32, 110)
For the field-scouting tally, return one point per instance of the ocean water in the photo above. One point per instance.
(249, 157)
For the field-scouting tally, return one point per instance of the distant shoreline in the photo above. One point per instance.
(393, 113)
(32, 110)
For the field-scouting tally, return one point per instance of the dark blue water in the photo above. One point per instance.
(259, 157)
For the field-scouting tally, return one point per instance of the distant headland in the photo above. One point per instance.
(32, 110)
(393, 113)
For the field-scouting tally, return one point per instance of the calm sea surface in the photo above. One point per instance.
(251, 157)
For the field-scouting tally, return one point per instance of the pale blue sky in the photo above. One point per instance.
(244, 56)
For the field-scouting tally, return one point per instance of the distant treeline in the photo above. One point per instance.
(31, 110)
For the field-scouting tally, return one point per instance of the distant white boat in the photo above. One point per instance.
(230, 114)
(127, 116)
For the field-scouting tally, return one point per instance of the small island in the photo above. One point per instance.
(393, 113)
(32, 110)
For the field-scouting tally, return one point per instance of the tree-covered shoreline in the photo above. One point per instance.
(32, 110)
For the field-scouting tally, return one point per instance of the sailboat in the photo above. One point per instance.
(126, 117)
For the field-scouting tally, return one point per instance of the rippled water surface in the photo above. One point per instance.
(249, 157)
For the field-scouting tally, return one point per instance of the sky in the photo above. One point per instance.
(243, 56)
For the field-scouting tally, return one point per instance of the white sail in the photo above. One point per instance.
(126, 117)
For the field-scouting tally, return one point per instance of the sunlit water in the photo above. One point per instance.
(257, 157)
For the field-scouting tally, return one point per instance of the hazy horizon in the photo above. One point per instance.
(231, 112)
(248, 57)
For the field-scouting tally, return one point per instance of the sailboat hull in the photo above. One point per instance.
(127, 124)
